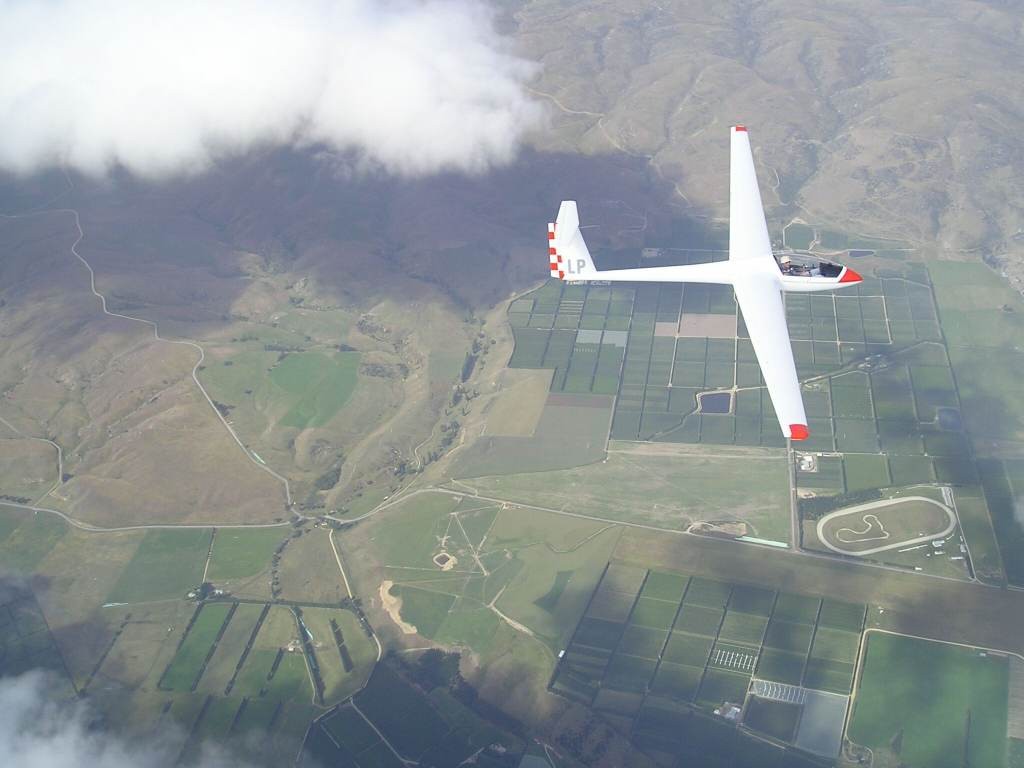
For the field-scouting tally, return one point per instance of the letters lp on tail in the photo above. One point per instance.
(757, 277)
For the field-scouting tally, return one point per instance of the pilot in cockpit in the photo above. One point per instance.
(789, 267)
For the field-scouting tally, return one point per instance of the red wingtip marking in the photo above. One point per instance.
(849, 276)
(740, 128)
(798, 432)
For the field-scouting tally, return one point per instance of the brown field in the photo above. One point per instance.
(664, 486)
(72, 582)
(712, 326)
(517, 408)
(27, 467)
(308, 570)
(146, 645)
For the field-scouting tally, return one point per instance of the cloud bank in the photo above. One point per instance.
(164, 88)
(40, 730)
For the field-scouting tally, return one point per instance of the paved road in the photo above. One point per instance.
(141, 527)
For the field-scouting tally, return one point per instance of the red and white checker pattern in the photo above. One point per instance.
(553, 255)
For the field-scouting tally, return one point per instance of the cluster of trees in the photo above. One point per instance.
(817, 507)
(438, 669)
(590, 743)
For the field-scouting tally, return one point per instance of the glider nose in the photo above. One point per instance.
(849, 276)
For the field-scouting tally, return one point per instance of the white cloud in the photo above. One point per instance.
(40, 730)
(162, 88)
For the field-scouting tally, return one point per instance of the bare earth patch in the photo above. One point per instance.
(444, 561)
(516, 409)
(712, 326)
(393, 605)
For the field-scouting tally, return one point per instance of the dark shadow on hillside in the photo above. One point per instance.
(169, 251)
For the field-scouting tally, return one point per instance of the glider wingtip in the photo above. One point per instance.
(740, 128)
(798, 432)
(850, 276)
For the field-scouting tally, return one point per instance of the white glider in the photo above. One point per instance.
(757, 277)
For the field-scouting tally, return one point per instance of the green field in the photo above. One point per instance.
(401, 713)
(699, 620)
(424, 609)
(839, 615)
(257, 716)
(684, 648)
(293, 389)
(653, 613)
(239, 553)
(982, 319)
(743, 628)
(225, 659)
(781, 666)
(788, 636)
(258, 676)
(343, 673)
(1003, 483)
(665, 586)
(217, 720)
(835, 644)
(644, 642)
(183, 672)
(25, 640)
(971, 298)
(775, 718)
(351, 731)
(976, 524)
(540, 568)
(166, 565)
(866, 471)
(26, 537)
(314, 386)
(290, 681)
(428, 724)
(946, 704)
(796, 608)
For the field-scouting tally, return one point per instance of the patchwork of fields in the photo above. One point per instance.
(882, 386)
(666, 640)
(25, 640)
(250, 667)
(428, 728)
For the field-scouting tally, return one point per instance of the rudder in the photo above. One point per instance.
(569, 256)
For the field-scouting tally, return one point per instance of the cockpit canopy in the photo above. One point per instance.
(806, 265)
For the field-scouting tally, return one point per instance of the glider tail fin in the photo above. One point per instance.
(569, 256)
